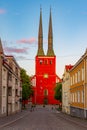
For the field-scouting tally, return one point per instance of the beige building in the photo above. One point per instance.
(78, 88)
(10, 84)
(66, 90)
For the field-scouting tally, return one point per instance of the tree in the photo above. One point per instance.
(58, 92)
(26, 86)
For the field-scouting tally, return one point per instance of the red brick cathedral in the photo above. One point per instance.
(45, 77)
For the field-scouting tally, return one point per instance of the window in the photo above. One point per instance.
(78, 93)
(71, 80)
(4, 90)
(10, 76)
(75, 77)
(16, 81)
(16, 92)
(71, 97)
(46, 62)
(79, 76)
(75, 97)
(13, 92)
(45, 92)
(9, 91)
(41, 61)
(4, 74)
(82, 74)
(4, 109)
(82, 96)
(50, 61)
(16, 70)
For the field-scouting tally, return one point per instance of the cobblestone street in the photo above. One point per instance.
(42, 119)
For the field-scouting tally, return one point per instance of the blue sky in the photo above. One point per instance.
(19, 23)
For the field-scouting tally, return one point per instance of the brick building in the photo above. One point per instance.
(45, 68)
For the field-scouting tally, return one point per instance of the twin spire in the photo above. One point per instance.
(50, 51)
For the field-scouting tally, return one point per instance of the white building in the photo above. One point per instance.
(10, 84)
(66, 90)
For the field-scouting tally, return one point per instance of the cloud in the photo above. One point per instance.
(23, 58)
(2, 11)
(15, 50)
(30, 41)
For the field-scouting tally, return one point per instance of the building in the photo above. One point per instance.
(66, 90)
(10, 84)
(78, 88)
(45, 68)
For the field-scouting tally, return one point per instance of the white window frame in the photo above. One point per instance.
(82, 73)
(78, 94)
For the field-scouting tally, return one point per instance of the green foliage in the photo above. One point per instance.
(26, 85)
(58, 91)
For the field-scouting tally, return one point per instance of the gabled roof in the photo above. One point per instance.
(68, 67)
(80, 60)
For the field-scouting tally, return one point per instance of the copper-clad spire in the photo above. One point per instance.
(40, 37)
(50, 51)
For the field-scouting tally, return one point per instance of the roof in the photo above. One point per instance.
(80, 60)
(68, 67)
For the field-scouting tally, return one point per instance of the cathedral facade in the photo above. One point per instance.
(45, 77)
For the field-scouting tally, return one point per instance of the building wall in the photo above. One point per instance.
(66, 92)
(4, 90)
(0, 83)
(14, 85)
(10, 86)
(78, 88)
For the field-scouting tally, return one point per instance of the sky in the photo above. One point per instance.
(19, 24)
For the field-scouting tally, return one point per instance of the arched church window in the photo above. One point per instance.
(41, 61)
(50, 61)
(46, 62)
(45, 92)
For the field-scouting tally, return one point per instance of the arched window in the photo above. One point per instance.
(45, 92)
(50, 61)
(41, 61)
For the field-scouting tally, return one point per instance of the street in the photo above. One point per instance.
(44, 118)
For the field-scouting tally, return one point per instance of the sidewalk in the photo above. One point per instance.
(76, 120)
(12, 118)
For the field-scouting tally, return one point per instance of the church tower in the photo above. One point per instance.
(45, 68)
